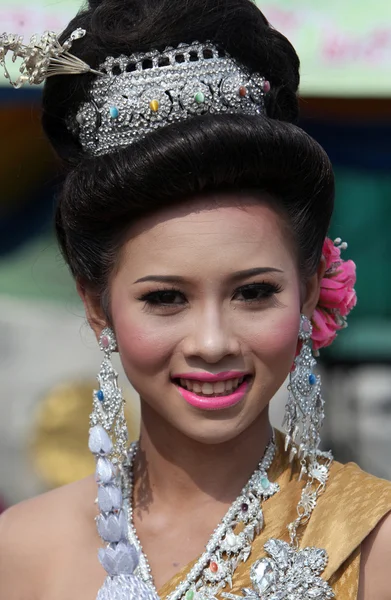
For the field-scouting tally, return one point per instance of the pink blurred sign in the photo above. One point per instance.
(345, 48)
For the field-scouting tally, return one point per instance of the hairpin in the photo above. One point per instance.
(43, 57)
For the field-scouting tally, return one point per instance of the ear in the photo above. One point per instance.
(92, 305)
(312, 290)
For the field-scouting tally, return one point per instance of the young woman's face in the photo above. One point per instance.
(209, 289)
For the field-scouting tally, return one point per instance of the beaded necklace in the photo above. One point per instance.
(225, 549)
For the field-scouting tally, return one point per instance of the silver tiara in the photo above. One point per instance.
(134, 95)
(137, 94)
(43, 57)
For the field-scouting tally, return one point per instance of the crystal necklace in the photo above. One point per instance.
(225, 549)
(290, 572)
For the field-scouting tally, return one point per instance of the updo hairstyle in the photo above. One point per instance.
(102, 196)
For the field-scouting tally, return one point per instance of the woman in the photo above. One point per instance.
(193, 218)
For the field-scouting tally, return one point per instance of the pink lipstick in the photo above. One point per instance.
(215, 402)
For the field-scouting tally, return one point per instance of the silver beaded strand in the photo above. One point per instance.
(213, 571)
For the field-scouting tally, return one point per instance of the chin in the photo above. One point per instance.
(215, 434)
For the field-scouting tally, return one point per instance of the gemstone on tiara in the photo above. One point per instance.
(135, 95)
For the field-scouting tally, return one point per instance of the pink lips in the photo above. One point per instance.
(213, 402)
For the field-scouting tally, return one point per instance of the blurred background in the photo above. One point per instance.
(48, 357)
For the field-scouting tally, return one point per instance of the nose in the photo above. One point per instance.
(211, 337)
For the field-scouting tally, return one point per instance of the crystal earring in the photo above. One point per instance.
(108, 401)
(304, 411)
(108, 442)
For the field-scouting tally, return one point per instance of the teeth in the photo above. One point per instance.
(208, 389)
(219, 387)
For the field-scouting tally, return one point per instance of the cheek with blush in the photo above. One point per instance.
(144, 346)
(275, 342)
(144, 350)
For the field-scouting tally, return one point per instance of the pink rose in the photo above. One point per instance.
(337, 295)
(324, 331)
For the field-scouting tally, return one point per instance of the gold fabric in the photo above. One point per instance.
(352, 505)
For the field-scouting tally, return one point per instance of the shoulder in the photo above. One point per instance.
(359, 499)
(56, 508)
(358, 494)
(375, 562)
(351, 508)
(30, 534)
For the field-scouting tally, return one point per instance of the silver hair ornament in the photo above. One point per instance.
(43, 57)
(137, 94)
(140, 93)
(304, 411)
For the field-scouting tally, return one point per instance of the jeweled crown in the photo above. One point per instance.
(137, 94)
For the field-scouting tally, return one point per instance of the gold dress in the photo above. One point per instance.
(350, 508)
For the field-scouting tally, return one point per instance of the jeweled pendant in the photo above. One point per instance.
(287, 573)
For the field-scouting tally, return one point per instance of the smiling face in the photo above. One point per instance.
(206, 304)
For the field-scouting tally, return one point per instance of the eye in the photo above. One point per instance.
(163, 298)
(256, 292)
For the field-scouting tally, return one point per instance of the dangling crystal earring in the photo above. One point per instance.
(304, 411)
(108, 442)
(108, 401)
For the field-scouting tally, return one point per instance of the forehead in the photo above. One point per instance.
(209, 229)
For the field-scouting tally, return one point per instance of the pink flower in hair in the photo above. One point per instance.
(337, 295)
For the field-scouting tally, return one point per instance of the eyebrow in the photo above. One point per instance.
(234, 277)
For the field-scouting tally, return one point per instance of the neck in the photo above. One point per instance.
(171, 467)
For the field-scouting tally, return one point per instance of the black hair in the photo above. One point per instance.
(102, 196)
